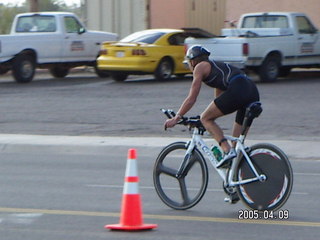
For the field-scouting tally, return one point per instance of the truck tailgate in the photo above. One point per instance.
(222, 49)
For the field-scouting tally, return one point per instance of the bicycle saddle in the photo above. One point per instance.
(254, 110)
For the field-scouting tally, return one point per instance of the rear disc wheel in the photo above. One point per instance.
(272, 193)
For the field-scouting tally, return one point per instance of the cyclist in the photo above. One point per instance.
(234, 91)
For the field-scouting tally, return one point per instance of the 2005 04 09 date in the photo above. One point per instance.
(255, 214)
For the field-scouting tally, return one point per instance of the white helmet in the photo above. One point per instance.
(196, 51)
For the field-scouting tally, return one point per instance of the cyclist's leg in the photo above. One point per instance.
(208, 118)
(251, 95)
(237, 125)
(236, 131)
(225, 103)
(239, 94)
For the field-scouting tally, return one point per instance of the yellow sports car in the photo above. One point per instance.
(153, 51)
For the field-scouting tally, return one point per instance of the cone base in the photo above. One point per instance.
(131, 228)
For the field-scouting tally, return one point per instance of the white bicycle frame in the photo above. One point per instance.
(199, 143)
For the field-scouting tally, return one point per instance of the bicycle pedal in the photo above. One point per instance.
(232, 199)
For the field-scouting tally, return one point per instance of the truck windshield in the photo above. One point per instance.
(265, 21)
(36, 23)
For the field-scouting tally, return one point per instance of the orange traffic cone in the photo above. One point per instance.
(131, 209)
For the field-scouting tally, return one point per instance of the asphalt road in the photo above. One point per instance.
(85, 105)
(62, 192)
(60, 195)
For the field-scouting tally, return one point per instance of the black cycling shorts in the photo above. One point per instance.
(240, 93)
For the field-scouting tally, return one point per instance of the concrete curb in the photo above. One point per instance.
(96, 144)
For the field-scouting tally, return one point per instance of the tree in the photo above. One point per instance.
(7, 14)
(51, 5)
(34, 6)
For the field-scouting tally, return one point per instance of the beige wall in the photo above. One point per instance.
(120, 16)
(127, 16)
(211, 14)
(167, 13)
(235, 8)
(205, 14)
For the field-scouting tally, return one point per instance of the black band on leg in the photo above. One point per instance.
(222, 140)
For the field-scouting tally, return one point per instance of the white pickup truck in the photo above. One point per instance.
(270, 44)
(57, 41)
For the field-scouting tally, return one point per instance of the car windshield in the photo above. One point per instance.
(145, 37)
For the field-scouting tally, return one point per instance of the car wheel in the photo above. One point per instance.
(23, 68)
(119, 77)
(164, 70)
(59, 72)
(101, 73)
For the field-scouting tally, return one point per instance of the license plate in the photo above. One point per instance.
(120, 54)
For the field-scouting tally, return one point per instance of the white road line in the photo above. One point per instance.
(91, 144)
(175, 189)
(20, 218)
(308, 174)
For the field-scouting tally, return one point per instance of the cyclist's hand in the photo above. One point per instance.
(170, 123)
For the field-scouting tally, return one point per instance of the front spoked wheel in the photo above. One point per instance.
(272, 193)
(185, 191)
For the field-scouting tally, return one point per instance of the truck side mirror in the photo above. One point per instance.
(81, 30)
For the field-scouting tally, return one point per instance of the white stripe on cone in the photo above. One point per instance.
(131, 169)
(131, 188)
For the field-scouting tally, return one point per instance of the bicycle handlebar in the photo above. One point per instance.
(169, 113)
(191, 121)
(253, 111)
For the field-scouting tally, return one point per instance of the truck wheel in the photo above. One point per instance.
(23, 68)
(164, 70)
(119, 77)
(269, 70)
(59, 72)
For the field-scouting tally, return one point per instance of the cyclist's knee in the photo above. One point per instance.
(205, 118)
(209, 116)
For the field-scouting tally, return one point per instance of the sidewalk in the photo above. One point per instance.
(94, 144)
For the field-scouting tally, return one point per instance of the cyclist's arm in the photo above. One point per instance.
(199, 73)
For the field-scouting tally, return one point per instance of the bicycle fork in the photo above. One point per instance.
(184, 163)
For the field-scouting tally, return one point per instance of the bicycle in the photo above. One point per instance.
(261, 175)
